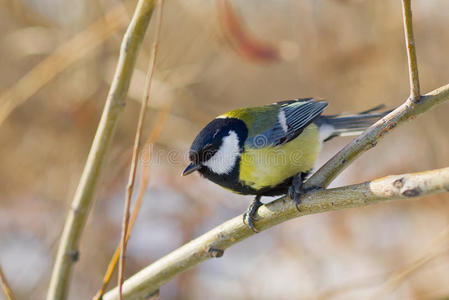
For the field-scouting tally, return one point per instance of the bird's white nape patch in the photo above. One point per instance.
(326, 131)
(224, 160)
(283, 120)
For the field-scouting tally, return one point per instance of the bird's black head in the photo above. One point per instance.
(217, 146)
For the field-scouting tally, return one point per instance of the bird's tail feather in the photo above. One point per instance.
(348, 125)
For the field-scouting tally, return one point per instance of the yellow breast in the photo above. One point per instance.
(270, 166)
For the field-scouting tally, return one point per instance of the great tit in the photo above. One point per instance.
(269, 150)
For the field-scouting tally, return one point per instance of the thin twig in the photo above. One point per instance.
(146, 157)
(411, 50)
(132, 174)
(216, 241)
(327, 173)
(395, 279)
(369, 139)
(339, 291)
(68, 252)
(64, 56)
(5, 286)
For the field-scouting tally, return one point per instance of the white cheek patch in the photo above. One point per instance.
(224, 160)
(283, 121)
(326, 131)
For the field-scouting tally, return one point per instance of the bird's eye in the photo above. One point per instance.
(194, 157)
(208, 151)
(207, 155)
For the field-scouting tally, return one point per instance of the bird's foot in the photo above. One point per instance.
(296, 190)
(250, 215)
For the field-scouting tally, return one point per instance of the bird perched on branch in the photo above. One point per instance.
(269, 150)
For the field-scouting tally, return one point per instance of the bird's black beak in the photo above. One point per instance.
(191, 168)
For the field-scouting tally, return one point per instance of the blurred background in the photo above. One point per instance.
(57, 58)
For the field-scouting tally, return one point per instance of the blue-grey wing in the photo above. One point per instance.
(293, 117)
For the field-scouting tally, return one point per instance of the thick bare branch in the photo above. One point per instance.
(213, 243)
(67, 253)
(411, 49)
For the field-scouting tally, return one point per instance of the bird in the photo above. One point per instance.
(270, 150)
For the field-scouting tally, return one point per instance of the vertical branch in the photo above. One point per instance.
(160, 121)
(327, 173)
(68, 253)
(411, 50)
(132, 173)
(5, 286)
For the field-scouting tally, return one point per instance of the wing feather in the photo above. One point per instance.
(293, 117)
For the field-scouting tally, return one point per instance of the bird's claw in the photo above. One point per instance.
(250, 215)
(296, 190)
